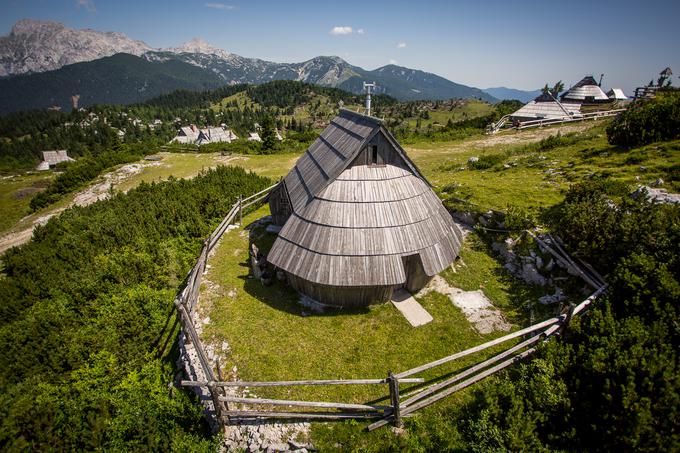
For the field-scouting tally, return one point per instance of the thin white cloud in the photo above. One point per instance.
(393, 61)
(337, 31)
(87, 4)
(401, 45)
(360, 31)
(221, 6)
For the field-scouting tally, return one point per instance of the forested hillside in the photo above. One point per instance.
(119, 79)
(293, 106)
(88, 328)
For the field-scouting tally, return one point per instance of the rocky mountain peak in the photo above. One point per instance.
(38, 46)
(199, 46)
(25, 27)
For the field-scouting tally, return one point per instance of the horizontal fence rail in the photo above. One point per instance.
(415, 398)
(505, 122)
(298, 383)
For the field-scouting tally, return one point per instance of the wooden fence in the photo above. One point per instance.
(505, 123)
(401, 404)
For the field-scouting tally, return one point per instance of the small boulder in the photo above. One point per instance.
(531, 275)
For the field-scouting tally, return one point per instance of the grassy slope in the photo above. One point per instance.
(15, 196)
(326, 108)
(187, 165)
(538, 178)
(471, 109)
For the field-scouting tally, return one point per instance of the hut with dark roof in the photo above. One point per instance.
(358, 218)
(586, 91)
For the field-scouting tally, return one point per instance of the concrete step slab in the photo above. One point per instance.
(414, 313)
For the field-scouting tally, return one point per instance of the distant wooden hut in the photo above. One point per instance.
(50, 159)
(214, 135)
(546, 107)
(586, 91)
(359, 219)
(187, 135)
(617, 94)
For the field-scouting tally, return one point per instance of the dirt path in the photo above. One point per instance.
(528, 135)
(95, 192)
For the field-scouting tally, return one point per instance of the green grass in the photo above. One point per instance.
(538, 178)
(188, 165)
(15, 195)
(478, 269)
(325, 109)
(272, 337)
(242, 100)
(470, 109)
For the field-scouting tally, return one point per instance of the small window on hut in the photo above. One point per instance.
(374, 154)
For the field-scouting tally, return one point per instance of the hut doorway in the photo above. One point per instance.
(416, 278)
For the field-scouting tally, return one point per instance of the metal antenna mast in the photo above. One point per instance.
(367, 87)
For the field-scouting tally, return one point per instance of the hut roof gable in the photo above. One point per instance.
(352, 222)
(585, 88)
(332, 152)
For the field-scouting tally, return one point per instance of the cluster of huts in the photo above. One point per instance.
(195, 136)
(586, 92)
(192, 135)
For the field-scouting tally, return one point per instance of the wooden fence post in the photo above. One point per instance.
(214, 395)
(222, 389)
(394, 399)
(240, 210)
(570, 314)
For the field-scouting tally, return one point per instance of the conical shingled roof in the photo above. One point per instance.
(547, 107)
(586, 89)
(352, 222)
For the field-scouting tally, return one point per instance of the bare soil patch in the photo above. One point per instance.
(476, 307)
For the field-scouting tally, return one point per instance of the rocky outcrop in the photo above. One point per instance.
(38, 46)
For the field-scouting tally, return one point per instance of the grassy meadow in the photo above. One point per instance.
(272, 337)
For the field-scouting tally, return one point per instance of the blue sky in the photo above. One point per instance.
(519, 44)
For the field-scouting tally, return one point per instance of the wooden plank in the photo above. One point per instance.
(268, 189)
(434, 388)
(256, 200)
(583, 305)
(196, 341)
(297, 383)
(481, 347)
(394, 399)
(434, 398)
(233, 414)
(564, 260)
(468, 382)
(295, 403)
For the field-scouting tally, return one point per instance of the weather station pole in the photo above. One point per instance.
(367, 87)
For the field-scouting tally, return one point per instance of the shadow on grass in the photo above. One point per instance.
(279, 295)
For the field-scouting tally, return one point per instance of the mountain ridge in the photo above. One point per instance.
(505, 93)
(35, 47)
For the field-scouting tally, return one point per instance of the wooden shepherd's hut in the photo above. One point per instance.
(586, 91)
(359, 219)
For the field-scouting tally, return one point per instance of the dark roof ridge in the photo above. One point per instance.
(361, 115)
